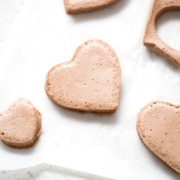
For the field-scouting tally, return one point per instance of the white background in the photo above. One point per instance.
(36, 35)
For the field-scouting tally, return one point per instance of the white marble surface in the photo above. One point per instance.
(36, 35)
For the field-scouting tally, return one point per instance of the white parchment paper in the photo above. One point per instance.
(36, 35)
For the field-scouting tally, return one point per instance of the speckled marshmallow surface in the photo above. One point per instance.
(158, 125)
(20, 125)
(89, 82)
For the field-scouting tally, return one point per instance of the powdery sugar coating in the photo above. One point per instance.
(89, 82)
(158, 126)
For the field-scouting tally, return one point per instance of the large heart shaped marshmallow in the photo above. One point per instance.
(89, 82)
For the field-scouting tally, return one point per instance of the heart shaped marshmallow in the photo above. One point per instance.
(20, 125)
(89, 82)
(158, 126)
(80, 6)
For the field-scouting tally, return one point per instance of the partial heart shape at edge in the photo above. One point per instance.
(158, 126)
(81, 6)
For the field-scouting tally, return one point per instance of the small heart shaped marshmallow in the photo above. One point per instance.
(20, 125)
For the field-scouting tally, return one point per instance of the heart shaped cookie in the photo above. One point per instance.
(20, 125)
(158, 126)
(80, 6)
(89, 82)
